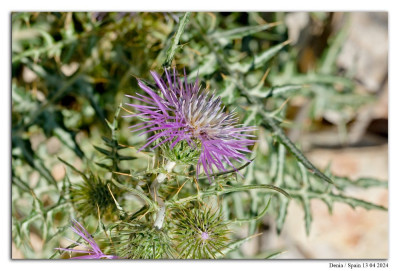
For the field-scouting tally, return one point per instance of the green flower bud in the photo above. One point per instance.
(139, 240)
(92, 195)
(182, 153)
(200, 233)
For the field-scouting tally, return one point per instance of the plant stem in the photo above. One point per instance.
(154, 190)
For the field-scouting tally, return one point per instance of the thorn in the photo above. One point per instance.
(286, 42)
(127, 110)
(180, 188)
(120, 173)
(275, 23)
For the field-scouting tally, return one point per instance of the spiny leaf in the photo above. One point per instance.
(282, 212)
(231, 189)
(109, 168)
(273, 91)
(30, 157)
(228, 171)
(332, 197)
(245, 188)
(258, 60)
(174, 45)
(228, 92)
(307, 213)
(223, 37)
(274, 255)
(103, 151)
(67, 137)
(207, 66)
(111, 143)
(250, 117)
(235, 245)
(318, 78)
(262, 213)
(124, 157)
(293, 149)
(343, 182)
(353, 202)
(329, 57)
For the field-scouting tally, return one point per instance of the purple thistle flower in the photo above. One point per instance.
(94, 250)
(185, 112)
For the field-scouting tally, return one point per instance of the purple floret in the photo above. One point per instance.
(94, 250)
(184, 111)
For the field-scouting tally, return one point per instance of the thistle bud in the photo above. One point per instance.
(92, 195)
(200, 233)
(140, 240)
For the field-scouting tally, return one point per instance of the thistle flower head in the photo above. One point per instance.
(94, 251)
(140, 240)
(92, 195)
(200, 233)
(185, 112)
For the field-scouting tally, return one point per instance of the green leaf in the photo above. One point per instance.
(274, 255)
(275, 91)
(67, 137)
(29, 156)
(282, 137)
(230, 189)
(223, 37)
(235, 245)
(353, 202)
(258, 60)
(206, 67)
(318, 78)
(329, 57)
(307, 213)
(250, 118)
(175, 40)
(228, 92)
(228, 171)
(246, 188)
(282, 212)
(109, 168)
(103, 151)
(259, 216)
(342, 183)
(331, 197)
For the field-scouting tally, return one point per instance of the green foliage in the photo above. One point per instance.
(174, 46)
(69, 74)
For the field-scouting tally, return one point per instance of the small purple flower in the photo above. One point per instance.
(94, 250)
(184, 111)
(205, 236)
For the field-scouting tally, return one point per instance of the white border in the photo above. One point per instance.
(203, 5)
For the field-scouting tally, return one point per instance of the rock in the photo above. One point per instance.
(53, 145)
(58, 172)
(366, 48)
(28, 75)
